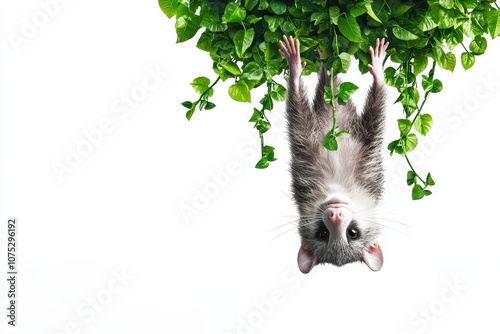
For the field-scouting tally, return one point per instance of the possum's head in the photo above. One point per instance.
(340, 230)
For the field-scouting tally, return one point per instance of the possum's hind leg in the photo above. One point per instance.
(370, 129)
(373, 116)
(290, 49)
(298, 112)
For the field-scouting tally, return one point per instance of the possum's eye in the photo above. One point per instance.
(322, 234)
(352, 233)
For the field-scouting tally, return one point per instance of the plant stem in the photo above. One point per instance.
(413, 169)
(431, 78)
(464, 47)
(419, 110)
(263, 116)
(208, 89)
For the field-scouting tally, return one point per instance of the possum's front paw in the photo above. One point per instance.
(290, 49)
(378, 55)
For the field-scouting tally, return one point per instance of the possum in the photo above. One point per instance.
(336, 192)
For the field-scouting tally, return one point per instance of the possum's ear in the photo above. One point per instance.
(373, 257)
(305, 259)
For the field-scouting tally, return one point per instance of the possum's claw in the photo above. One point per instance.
(290, 49)
(378, 55)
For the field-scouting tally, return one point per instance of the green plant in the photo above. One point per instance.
(241, 38)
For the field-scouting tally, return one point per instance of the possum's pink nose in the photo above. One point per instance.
(335, 217)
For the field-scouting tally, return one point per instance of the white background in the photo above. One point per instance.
(217, 270)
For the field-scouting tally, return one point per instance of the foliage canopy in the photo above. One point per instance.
(241, 38)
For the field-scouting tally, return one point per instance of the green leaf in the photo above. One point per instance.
(278, 7)
(273, 22)
(423, 124)
(186, 27)
(409, 99)
(267, 155)
(200, 84)
(468, 60)
(478, 45)
(401, 8)
(342, 134)
(334, 13)
(190, 113)
(357, 9)
(426, 83)
(493, 20)
(263, 163)
(252, 19)
(255, 116)
(346, 89)
(395, 146)
(345, 61)
(411, 142)
(349, 28)
(267, 102)
(262, 125)
(455, 37)
(287, 27)
(205, 42)
(209, 105)
(470, 4)
(451, 61)
(240, 92)
(268, 151)
(273, 67)
(439, 56)
(252, 71)
(389, 76)
(403, 34)
(427, 23)
(187, 104)
(278, 92)
(330, 142)
(230, 66)
(429, 85)
(234, 13)
(371, 13)
(211, 22)
(404, 126)
(243, 40)
(169, 7)
(263, 5)
(250, 4)
(437, 86)
(417, 192)
(448, 4)
(445, 61)
(429, 181)
(411, 177)
(318, 17)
